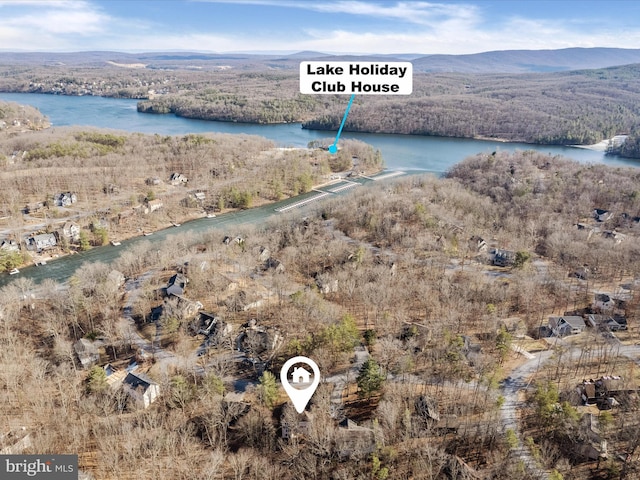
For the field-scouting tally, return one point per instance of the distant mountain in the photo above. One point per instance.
(308, 54)
(358, 58)
(522, 61)
(507, 61)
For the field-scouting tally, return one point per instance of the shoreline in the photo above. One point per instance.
(36, 259)
(600, 146)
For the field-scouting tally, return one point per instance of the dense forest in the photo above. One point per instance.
(118, 177)
(630, 148)
(17, 118)
(561, 108)
(393, 271)
(577, 107)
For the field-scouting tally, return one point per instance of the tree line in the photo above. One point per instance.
(114, 175)
(389, 266)
(564, 108)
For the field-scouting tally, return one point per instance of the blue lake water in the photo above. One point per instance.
(408, 152)
(404, 152)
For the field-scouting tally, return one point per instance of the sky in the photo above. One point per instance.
(330, 26)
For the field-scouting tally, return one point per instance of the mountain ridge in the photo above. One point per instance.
(498, 61)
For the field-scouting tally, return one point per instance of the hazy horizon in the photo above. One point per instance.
(327, 26)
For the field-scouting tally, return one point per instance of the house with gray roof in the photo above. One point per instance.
(41, 242)
(601, 215)
(70, 231)
(87, 351)
(141, 389)
(65, 199)
(502, 258)
(566, 325)
(176, 285)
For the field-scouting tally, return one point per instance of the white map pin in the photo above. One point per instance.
(297, 383)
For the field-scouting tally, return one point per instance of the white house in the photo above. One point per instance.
(153, 205)
(65, 199)
(141, 389)
(177, 178)
(70, 231)
(603, 302)
(607, 304)
(9, 245)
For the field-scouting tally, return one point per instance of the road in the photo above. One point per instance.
(518, 382)
(61, 269)
(128, 324)
(512, 390)
(166, 359)
(341, 380)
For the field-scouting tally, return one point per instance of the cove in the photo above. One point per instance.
(400, 152)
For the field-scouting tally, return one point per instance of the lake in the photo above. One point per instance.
(400, 152)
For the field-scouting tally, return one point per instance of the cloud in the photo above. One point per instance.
(421, 13)
(48, 25)
(62, 25)
(360, 27)
(439, 27)
(77, 22)
(415, 12)
(48, 3)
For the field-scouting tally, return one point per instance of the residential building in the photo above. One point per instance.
(9, 245)
(591, 445)
(617, 237)
(502, 258)
(87, 352)
(153, 205)
(602, 392)
(606, 322)
(41, 242)
(33, 207)
(566, 325)
(351, 438)
(601, 215)
(65, 199)
(606, 303)
(177, 179)
(274, 265)
(141, 389)
(176, 284)
(477, 244)
(70, 231)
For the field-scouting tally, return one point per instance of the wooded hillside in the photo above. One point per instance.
(577, 107)
(395, 268)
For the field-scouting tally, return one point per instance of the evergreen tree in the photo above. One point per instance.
(370, 379)
(268, 390)
(97, 380)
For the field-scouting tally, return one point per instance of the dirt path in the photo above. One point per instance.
(341, 380)
(512, 388)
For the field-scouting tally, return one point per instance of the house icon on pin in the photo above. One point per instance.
(300, 375)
